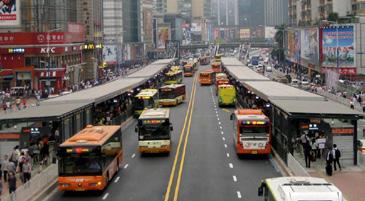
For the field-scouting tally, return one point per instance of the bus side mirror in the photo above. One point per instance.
(231, 117)
(171, 128)
(136, 129)
(260, 190)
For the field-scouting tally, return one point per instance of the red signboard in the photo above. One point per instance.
(41, 50)
(341, 71)
(29, 38)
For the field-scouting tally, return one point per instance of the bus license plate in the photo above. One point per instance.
(253, 152)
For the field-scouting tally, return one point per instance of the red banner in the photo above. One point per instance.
(341, 71)
(29, 38)
(40, 50)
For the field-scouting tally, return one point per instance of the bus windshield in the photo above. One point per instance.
(167, 95)
(250, 131)
(204, 75)
(154, 131)
(80, 165)
(140, 104)
(188, 69)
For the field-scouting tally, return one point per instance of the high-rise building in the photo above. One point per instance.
(131, 21)
(341, 7)
(251, 13)
(113, 32)
(276, 12)
(146, 15)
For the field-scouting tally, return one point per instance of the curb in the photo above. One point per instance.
(283, 168)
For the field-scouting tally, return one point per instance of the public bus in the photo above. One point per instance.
(153, 130)
(174, 77)
(146, 98)
(298, 189)
(216, 67)
(89, 159)
(189, 69)
(226, 95)
(175, 68)
(206, 77)
(220, 78)
(252, 132)
(172, 95)
(204, 60)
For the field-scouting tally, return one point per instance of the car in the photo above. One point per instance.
(268, 69)
(250, 66)
(305, 85)
(294, 83)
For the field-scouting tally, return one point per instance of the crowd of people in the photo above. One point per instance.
(18, 165)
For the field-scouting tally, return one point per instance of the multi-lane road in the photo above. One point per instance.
(202, 165)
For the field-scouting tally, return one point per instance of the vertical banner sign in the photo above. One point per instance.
(110, 54)
(163, 36)
(338, 47)
(10, 13)
(310, 45)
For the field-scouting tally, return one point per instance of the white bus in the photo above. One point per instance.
(299, 189)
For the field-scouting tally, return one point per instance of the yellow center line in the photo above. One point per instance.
(177, 188)
(172, 174)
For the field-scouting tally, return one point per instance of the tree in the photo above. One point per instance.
(278, 51)
(333, 17)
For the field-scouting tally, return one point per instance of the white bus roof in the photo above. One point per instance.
(147, 93)
(303, 189)
(174, 86)
(156, 113)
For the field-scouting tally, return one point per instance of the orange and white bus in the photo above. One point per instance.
(206, 77)
(216, 67)
(220, 78)
(204, 60)
(252, 131)
(89, 159)
(189, 69)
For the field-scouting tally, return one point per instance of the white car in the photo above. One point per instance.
(268, 69)
(250, 66)
(294, 83)
(305, 85)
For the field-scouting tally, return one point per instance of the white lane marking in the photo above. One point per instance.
(216, 111)
(133, 155)
(126, 165)
(227, 155)
(219, 123)
(230, 165)
(105, 196)
(239, 195)
(116, 180)
(225, 145)
(220, 127)
(222, 132)
(218, 119)
(234, 178)
(223, 138)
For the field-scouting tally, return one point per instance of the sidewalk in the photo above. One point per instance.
(31, 101)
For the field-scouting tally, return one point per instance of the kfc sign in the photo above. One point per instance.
(47, 50)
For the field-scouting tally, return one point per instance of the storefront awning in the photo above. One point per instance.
(7, 73)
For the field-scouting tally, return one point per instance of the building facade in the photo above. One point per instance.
(276, 12)
(40, 48)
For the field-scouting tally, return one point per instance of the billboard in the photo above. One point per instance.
(310, 45)
(10, 13)
(163, 34)
(245, 33)
(196, 27)
(31, 38)
(270, 32)
(294, 45)
(338, 46)
(110, 54)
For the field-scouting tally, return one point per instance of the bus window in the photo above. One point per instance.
(155, 131)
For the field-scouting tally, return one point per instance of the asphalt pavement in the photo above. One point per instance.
(208, 168)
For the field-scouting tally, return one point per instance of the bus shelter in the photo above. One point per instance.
(294, 112)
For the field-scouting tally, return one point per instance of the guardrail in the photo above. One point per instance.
(39, 182)
(295, 167)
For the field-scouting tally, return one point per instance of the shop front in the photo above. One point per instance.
(52, 80)
(6, 76)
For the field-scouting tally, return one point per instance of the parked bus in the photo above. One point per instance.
(298, 189)
(206, 77)
(218, 57)
(189, 69)
(146, 98)
(220, 78)
(204, 60)
(226, 95)
(174, 77)
(252, 131)
(172, 95)
(216, 67)
(89, 159)
(153, 130)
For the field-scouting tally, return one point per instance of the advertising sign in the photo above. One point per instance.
(310, 45)
(294, 45)
(110, 54)
(245, 33)
(338, 47)
(196, 27)
(10, 13)
(30, 38)
(270, 32)
(163, 34)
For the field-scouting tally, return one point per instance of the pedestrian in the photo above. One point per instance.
(24, 103)
(12, 182)
(352, 105)
(1, 188)
(337, 155)
(15, 155)
(17, 103)
(27, 171)
(4, 167)
(329, 160)
(307, 152)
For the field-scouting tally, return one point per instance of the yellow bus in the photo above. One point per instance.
(90, 159)
(226, 95)
(174, 77)
(172, 95)
(146, 98)
(154, 131)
